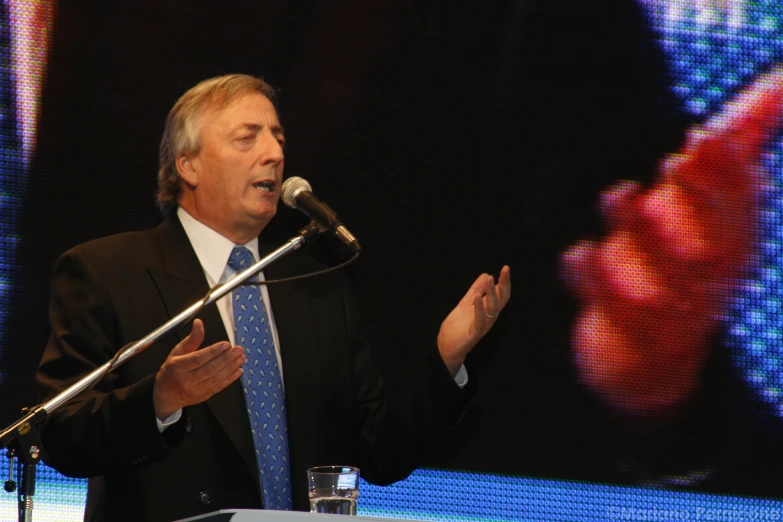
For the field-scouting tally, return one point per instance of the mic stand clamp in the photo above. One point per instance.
(10, 484)
(313, 229)
(26, 447)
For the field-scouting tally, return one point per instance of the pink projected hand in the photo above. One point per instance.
(653, 290)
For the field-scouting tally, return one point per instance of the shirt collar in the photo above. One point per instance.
(212, 249)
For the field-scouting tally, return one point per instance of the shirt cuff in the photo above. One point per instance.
(174, 417)
(462, 376)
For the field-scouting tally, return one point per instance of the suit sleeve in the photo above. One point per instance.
(398, 430)
(111, 426)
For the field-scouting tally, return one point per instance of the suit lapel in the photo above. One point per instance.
(181, 282)
(292, 309)
(293, 315)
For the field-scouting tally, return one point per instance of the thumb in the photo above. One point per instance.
(191, 343)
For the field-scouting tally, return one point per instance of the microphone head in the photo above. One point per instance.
(292, 187)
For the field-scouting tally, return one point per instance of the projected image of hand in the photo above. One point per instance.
(652, 291)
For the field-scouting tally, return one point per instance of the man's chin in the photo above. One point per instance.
(263, 217)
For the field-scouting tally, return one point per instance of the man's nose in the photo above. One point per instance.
(271, 150)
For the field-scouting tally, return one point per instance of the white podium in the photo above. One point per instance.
(263, 515)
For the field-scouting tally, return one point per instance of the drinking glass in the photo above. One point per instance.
(333, 489)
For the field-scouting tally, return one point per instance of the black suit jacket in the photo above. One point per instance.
(110, 292)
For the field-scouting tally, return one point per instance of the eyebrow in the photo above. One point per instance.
(277, 130)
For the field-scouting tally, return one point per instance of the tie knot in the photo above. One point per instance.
(241, 258)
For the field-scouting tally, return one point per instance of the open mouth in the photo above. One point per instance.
(266, 186)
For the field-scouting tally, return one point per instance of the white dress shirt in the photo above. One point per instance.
(213, 251)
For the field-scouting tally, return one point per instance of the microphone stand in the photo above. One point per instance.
(23, 436)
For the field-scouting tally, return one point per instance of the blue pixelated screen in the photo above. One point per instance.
(686, 262)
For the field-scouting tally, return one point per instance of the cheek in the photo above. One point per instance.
(226, 175)
(216, 177)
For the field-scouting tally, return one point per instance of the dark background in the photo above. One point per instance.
(451, 138)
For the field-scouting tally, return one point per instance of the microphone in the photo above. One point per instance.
(297, 193)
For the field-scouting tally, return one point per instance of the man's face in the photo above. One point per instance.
(238, 172)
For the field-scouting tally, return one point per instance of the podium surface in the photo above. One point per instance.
(269, 515)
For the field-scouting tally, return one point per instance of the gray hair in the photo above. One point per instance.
(182, 134)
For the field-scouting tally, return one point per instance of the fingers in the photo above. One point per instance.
(615, 202)
(490, 298)
(195, 360)
(222, 380)
(225, 361)
(491, 302)
(497, 295)
(478, 288)
(677, 223)
(221, 371)
(627, 269)
(578, 269)
(479, 313)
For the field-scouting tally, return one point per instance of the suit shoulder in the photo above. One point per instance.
(297, 264)
(302, 261)
(116, 248)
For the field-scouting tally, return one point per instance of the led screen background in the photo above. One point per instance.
(712, 51)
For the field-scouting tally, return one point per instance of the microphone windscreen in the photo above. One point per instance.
(292, 187)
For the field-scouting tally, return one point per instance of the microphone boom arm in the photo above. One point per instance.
(37, 413)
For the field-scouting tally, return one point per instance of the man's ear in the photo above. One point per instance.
(186, 168)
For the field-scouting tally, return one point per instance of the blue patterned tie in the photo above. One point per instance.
(263, 387)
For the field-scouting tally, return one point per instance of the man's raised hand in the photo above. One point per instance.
(473, 317)
(191, 376)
